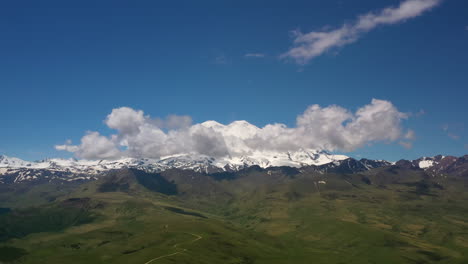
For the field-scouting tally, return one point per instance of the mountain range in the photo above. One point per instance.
(14, 170)
(269, 208)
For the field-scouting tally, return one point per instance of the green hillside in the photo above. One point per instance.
(386, 215)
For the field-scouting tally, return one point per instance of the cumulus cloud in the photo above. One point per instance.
(125, 120)
(329, 128)
(94, 146)
(310, 45)
(173, 122)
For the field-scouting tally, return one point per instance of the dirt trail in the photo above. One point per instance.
(177, 246)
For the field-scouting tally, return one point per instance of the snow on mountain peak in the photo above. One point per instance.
(424, 164)
(428, 162)
(6, 161)
(196, 162)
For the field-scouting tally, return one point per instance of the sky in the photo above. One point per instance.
(103, 79)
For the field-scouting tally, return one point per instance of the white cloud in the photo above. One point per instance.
(310, 45)
(94, 146)
(125, 120)
(173, 122)
(67, 147)
(329, 128)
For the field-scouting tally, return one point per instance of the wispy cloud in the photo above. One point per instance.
(220, 60)
(254, 55)
(420, 113)
(328, 128)
(406, 145)
(310, 45)
(407, 139)
(453, 136)
(453, 130)
(410, 135)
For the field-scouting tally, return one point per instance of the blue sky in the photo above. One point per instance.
(65, 66)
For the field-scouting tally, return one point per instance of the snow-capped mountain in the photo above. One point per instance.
(13, 162)
(444, 165)
(425, 163)
(70, 169)
(16, 170)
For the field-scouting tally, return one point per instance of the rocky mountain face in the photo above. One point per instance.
(350, 166)
(439, 165)
(14, 170)
(449, 165)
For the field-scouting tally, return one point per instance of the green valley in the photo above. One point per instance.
(385, 215)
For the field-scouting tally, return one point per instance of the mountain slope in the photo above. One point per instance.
(388, 214)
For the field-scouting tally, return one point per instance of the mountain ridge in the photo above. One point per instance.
(197, 162)
(13, 170)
